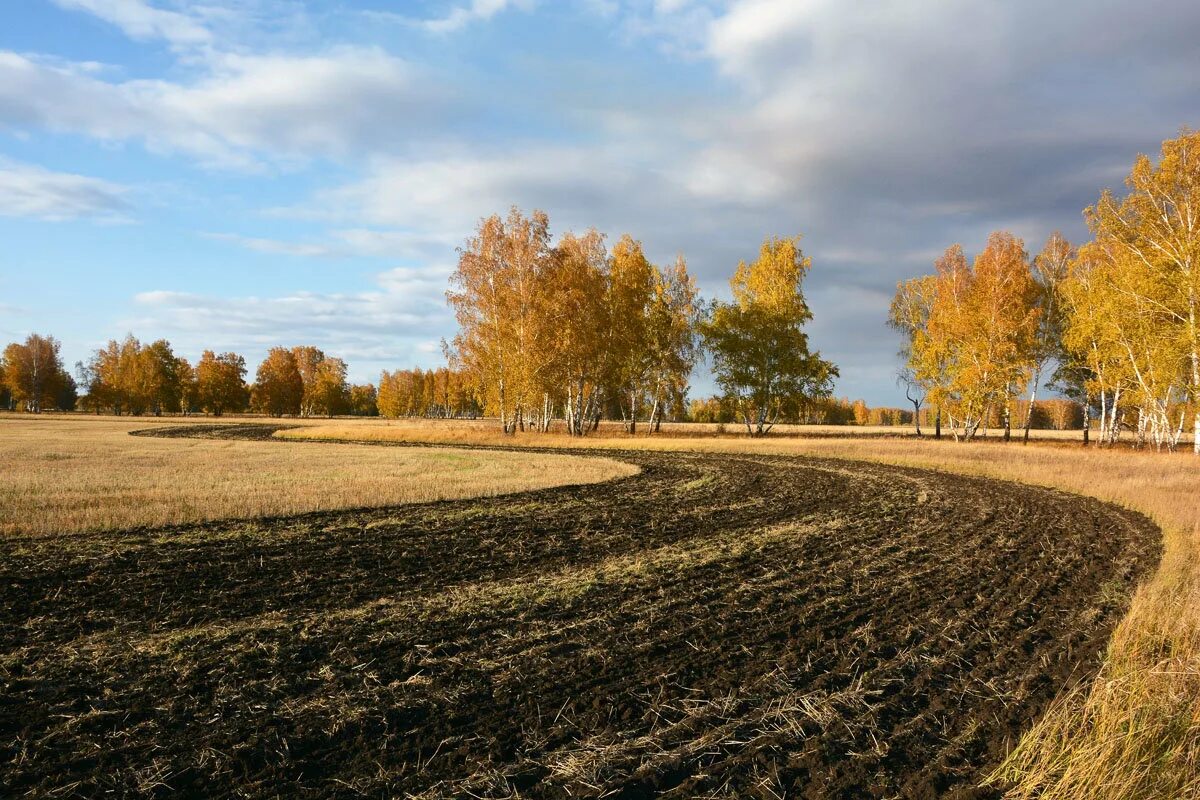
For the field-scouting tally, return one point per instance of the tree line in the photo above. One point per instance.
(130, 377)
(577, 331)
(1114, 321)
(441, 393)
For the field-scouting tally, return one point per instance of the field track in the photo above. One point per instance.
(718, 625)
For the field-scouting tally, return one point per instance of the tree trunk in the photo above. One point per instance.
(1007, 423)
(1037, 378)
(503, 410)
(1113, 423)
(1087, 421)
(937, 424)
(1103, 416)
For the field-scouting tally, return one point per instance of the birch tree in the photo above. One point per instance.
(495, 296)
(761, 357)
(34, 373)
(976, 350)
(1151, 241)
(671, 338)
(1050, 269)
(909, 316)
(629, 293)
(278, 384)
(577, 315)
(220, 383)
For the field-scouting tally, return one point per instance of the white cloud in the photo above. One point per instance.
(351, 242)
(275, 246)
(142, 21)
(460, 17)
(244, 108)
(31, 191)
(390, 326)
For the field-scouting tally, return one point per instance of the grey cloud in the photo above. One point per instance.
(31, 191)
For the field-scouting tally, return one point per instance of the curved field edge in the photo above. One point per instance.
(1134, 731)
(82, 475)
(897, 520)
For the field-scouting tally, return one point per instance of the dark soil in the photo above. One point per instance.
(718, 625)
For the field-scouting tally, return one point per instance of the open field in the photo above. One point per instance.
(720, 624)
(74, 473)
(1135, 732)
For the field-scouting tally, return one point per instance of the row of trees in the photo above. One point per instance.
(1116, 321)
(129, 377)
(575, 329)
(442, 393)
(1057, 413)
(545, 327)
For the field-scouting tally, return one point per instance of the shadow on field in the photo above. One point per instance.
(718, 625)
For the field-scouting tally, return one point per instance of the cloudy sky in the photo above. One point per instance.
(236, 174)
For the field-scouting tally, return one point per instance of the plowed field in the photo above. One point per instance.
(717, 625)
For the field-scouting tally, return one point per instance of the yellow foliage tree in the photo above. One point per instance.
(761, 357)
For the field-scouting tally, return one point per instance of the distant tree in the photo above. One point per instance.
(189, 388)
(390, 398)
(909, 315)
(1050, 269)
(629, 294)
(128, 376)
(34, 375)
(164, 369)
(67, 395)
(220, 383)
(862, 413)
(977, 349)
(672, 339)
(329, 394)
(363, 401)
(308, 362)
(576, 311)
(278, 386)
(761, 357)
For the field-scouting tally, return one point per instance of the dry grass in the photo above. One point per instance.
(1135, 731)
(610, 429)
(68, 474)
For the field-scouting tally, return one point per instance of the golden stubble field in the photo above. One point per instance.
(76, 473)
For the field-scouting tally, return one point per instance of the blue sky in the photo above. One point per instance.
(236, 174)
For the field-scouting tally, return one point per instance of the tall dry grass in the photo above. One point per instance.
(65, 474)
(1134, 732)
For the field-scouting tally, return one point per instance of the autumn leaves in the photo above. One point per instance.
(572, 329)
(576, 331)
(761, 358)
(1120, 317)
